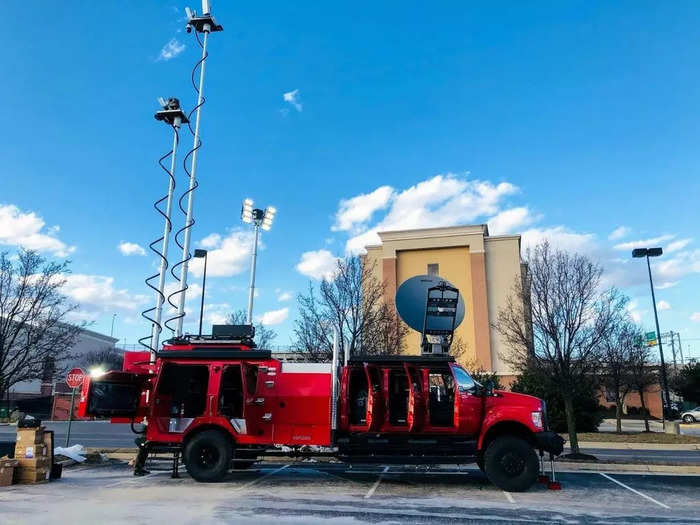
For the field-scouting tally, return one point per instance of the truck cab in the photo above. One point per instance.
(221, 402)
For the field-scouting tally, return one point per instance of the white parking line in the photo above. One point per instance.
(376, 483)
(635, 491)
(509, 496)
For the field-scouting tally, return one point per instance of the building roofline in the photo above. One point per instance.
(98, 335)
(445, 231)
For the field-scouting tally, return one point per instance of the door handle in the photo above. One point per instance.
(259, 401)
(267, 416)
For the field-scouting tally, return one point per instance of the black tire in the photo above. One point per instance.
(688, 419)
(511, 464)
(208, 456)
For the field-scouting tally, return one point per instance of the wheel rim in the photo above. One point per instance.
(207, 457)
(512, 463)
(688, 419)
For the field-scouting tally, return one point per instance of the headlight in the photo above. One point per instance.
(537, 419)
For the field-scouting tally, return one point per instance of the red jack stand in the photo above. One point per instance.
(554, 485)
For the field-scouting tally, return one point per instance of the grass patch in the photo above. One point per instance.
(635, 437)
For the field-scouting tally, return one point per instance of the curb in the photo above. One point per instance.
(567, 466)
(638, 446)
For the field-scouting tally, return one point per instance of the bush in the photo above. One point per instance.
(588, 412)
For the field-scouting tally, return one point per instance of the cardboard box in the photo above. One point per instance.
(31, 451)
(34, 463)
(7, 468)
(31, 475)
(30, 436)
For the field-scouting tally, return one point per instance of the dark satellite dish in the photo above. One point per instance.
(432, 306)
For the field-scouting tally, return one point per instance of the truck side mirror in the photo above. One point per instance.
(488, 388)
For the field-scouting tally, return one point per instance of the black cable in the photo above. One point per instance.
(187, 256)
(152, 246)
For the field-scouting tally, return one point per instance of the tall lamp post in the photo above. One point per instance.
(199, 254)
(655, 252)
(260, 219)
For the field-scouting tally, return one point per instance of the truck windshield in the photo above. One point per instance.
(464, 380)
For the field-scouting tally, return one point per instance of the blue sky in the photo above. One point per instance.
(574, 122)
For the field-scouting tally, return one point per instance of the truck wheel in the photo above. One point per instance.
(208, 456)
(511, 464)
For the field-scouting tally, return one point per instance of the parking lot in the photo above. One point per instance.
(319, 492)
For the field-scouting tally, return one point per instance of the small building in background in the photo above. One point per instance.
(41, 396)
(485, 269)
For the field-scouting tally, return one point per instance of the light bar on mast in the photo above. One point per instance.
(247, 211)
(268, 217)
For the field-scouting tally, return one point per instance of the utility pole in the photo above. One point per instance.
(673, 349)
(680, 348)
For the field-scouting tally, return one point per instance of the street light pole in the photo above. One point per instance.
(111, 332)
(655, 252)
(251, 292)
(260, 219)
(199, 254)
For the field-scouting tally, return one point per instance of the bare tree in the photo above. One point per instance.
(568, 322)
(263, 335)
(353, 303)
(107, 357)
(35, 336)
(642, 375)
(617, 353)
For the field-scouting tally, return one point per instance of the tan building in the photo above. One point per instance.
(483, 267)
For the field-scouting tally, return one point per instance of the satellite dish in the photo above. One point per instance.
(411, 299)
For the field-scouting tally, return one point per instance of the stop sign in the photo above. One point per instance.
(75, 378)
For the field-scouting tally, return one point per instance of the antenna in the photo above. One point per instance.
(432, 306)
(204, 24)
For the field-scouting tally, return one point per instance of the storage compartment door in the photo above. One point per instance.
(115, 394)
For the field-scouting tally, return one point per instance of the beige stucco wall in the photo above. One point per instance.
(503, 270)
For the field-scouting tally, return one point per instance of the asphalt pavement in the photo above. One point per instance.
(290, 493)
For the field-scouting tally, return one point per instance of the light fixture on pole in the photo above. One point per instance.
(199, 254)
(655, 252)
(260, 219)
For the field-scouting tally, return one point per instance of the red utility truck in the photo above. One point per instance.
(221, 402)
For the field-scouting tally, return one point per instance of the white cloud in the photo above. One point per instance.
(667, 284)
(359, 209)
(210, 241)
(663, 305)
(283, 296)
(171, 49)
(644, 243)
(98, 293)
(319, 264)
(509, 221)
(619, 233)
(292, 97)
(130, 248)
(227, 256)
(677, 245)
(695, 317)
(274, 316)
(560, 237)
(26, 229)
(443, 200)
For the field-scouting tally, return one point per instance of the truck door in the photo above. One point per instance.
(469, 404)
(114, 394)
(416, 398)
(259, 405)
(375, 401)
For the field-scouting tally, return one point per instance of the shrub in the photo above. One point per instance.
(587, 411)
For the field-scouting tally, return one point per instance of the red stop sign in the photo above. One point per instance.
(75, 378)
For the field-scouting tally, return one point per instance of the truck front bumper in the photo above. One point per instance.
(550, 442)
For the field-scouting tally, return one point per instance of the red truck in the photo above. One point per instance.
(221, 402)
